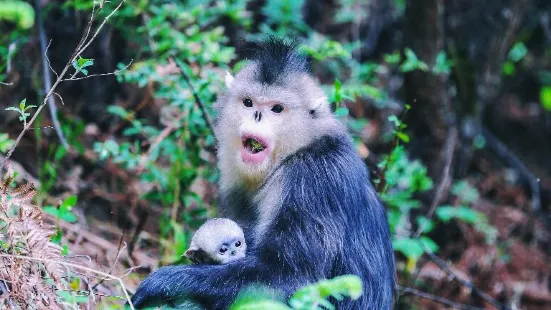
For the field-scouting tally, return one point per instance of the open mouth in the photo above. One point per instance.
(255, 149)
(253, 145)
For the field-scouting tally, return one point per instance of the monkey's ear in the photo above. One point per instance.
(229, 79)
(192, 255)
(317, 103)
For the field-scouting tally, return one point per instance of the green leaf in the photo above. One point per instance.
(66, 296)
(508, 68)
(317, 293)
(425, 224)
(341, 112)
(463, 213)
(402, 136)
(14, 109)
(429, 244)
(545, 98)
(410, 248)
(70, 201)
(63, 214)
(412, 63)
(22, 104)
(465, 191)
(338, 94)
(51, 210)
(442, 64)
(260, 304)
(393, 59)
(394, 119)
(517, 52)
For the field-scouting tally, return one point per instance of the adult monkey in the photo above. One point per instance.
(290, 176)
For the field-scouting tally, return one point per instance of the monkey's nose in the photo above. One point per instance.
(233, 252)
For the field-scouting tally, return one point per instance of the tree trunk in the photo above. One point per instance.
(430, 119)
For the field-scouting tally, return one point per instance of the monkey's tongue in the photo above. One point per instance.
(253, 151)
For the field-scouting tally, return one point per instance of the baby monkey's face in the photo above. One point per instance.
(227, 251)
(218, 241)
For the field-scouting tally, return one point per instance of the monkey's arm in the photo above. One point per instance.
(207, 284)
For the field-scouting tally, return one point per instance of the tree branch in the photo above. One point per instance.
(411, 291)
(78, 52)
(46, 74)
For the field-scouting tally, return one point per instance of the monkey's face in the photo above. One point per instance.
(208, 251)
(260, 124)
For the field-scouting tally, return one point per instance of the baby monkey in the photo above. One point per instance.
(217, 241)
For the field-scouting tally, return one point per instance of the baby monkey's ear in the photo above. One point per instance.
(198, 256)
(193, 254)
(229, 79)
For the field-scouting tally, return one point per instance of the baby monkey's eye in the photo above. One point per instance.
(247, 102)
(278, 108)
(223, 250)
(238, 243)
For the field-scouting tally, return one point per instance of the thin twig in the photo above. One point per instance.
(60, 98)
(77, 267)
(501, 149)
(48, 59)
(119, 249)
(59, 80)
(198, 100)
(453, 277)
(98, 30)
(47, 78)
(447, 154)
(72, 78)
(438, 299)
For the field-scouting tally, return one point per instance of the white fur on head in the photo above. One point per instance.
(229, 79)
(306, 117)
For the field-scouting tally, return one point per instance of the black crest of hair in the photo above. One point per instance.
(329, 222)
(277, 58)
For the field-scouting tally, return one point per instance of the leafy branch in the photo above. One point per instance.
(81, 47)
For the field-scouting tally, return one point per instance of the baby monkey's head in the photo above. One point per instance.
(217, 241)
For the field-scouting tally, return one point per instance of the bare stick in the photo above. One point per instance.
(77, 53)
(47, 77)
(502, 150)
(119, 250)
(77, 267)
(48, 59)
(453, 277)
(447, 152)
(438, 299)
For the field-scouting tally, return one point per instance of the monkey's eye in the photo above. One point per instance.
(238, 243)
(247, 102)
(278, 108)
(223, 250)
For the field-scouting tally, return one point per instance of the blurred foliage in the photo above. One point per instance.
(181, 32)
(169, 154)
(19, 12)
(310, 297)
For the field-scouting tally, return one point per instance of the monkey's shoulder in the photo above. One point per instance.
(327, 154)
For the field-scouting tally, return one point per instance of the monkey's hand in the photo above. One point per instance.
(205, 284)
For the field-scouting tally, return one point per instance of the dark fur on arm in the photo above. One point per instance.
(213, 286)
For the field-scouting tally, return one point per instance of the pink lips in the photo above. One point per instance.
(254, 158)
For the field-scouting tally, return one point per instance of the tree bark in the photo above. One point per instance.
(430, 119)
